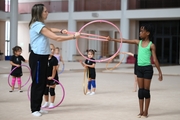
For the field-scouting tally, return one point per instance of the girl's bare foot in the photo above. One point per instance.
(145, 115)
(139, 115)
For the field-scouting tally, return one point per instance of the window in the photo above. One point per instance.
(7, 39)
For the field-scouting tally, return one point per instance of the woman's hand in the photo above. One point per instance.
(64, 31)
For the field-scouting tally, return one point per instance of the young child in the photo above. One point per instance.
(58, 56)
(144, 70)
(92, 71)
(51, 84)
(15, 61)
(135, 67)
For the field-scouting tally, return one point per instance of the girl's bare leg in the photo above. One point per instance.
(141, 101)
(147, 83)
(135, 83)
(13, 83)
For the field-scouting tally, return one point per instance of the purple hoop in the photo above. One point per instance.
(25, 82)
(102, 59)
(28, 91)
(62, 69)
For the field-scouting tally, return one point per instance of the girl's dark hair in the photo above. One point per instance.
(57, 48)
(16, 48)
(36, 13)
(149, 28)
(91, 50)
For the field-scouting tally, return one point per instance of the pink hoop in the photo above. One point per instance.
(90, 36)
(95, 39)
(25, 82)
(63, 95)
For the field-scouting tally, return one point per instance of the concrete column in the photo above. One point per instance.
(13, 24)
(98, 46)
(69, 47)
(111, 44)
(124, 27)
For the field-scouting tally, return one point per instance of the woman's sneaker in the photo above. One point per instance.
(43, 111)
(36, 113)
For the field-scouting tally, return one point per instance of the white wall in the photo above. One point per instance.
(23, 39)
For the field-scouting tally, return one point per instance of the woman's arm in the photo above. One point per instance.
(46, 32)
(153, 49)
(56, 30)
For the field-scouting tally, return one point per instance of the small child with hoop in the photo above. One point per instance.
(135, 67)
(90, 65)
(50, 83)
(58, 56)
(15, 61)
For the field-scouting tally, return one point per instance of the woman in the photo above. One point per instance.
(40, 50)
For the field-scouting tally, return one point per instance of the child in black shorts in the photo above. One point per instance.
(135, 68)
(146, 49)
(15, 61)
(92, 71)
(51, 84)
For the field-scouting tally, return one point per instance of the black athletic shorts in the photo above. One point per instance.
(92, 76)
(144, 72)
(51, 82)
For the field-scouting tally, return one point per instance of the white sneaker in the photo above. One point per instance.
(51, 105)
(36, 113)
(88, 93)
(43, 111)
(92, 93)
(46, 104)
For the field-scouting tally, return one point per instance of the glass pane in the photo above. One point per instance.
(159, 28)
(166, 50)
(146, 4)
(159, 49)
